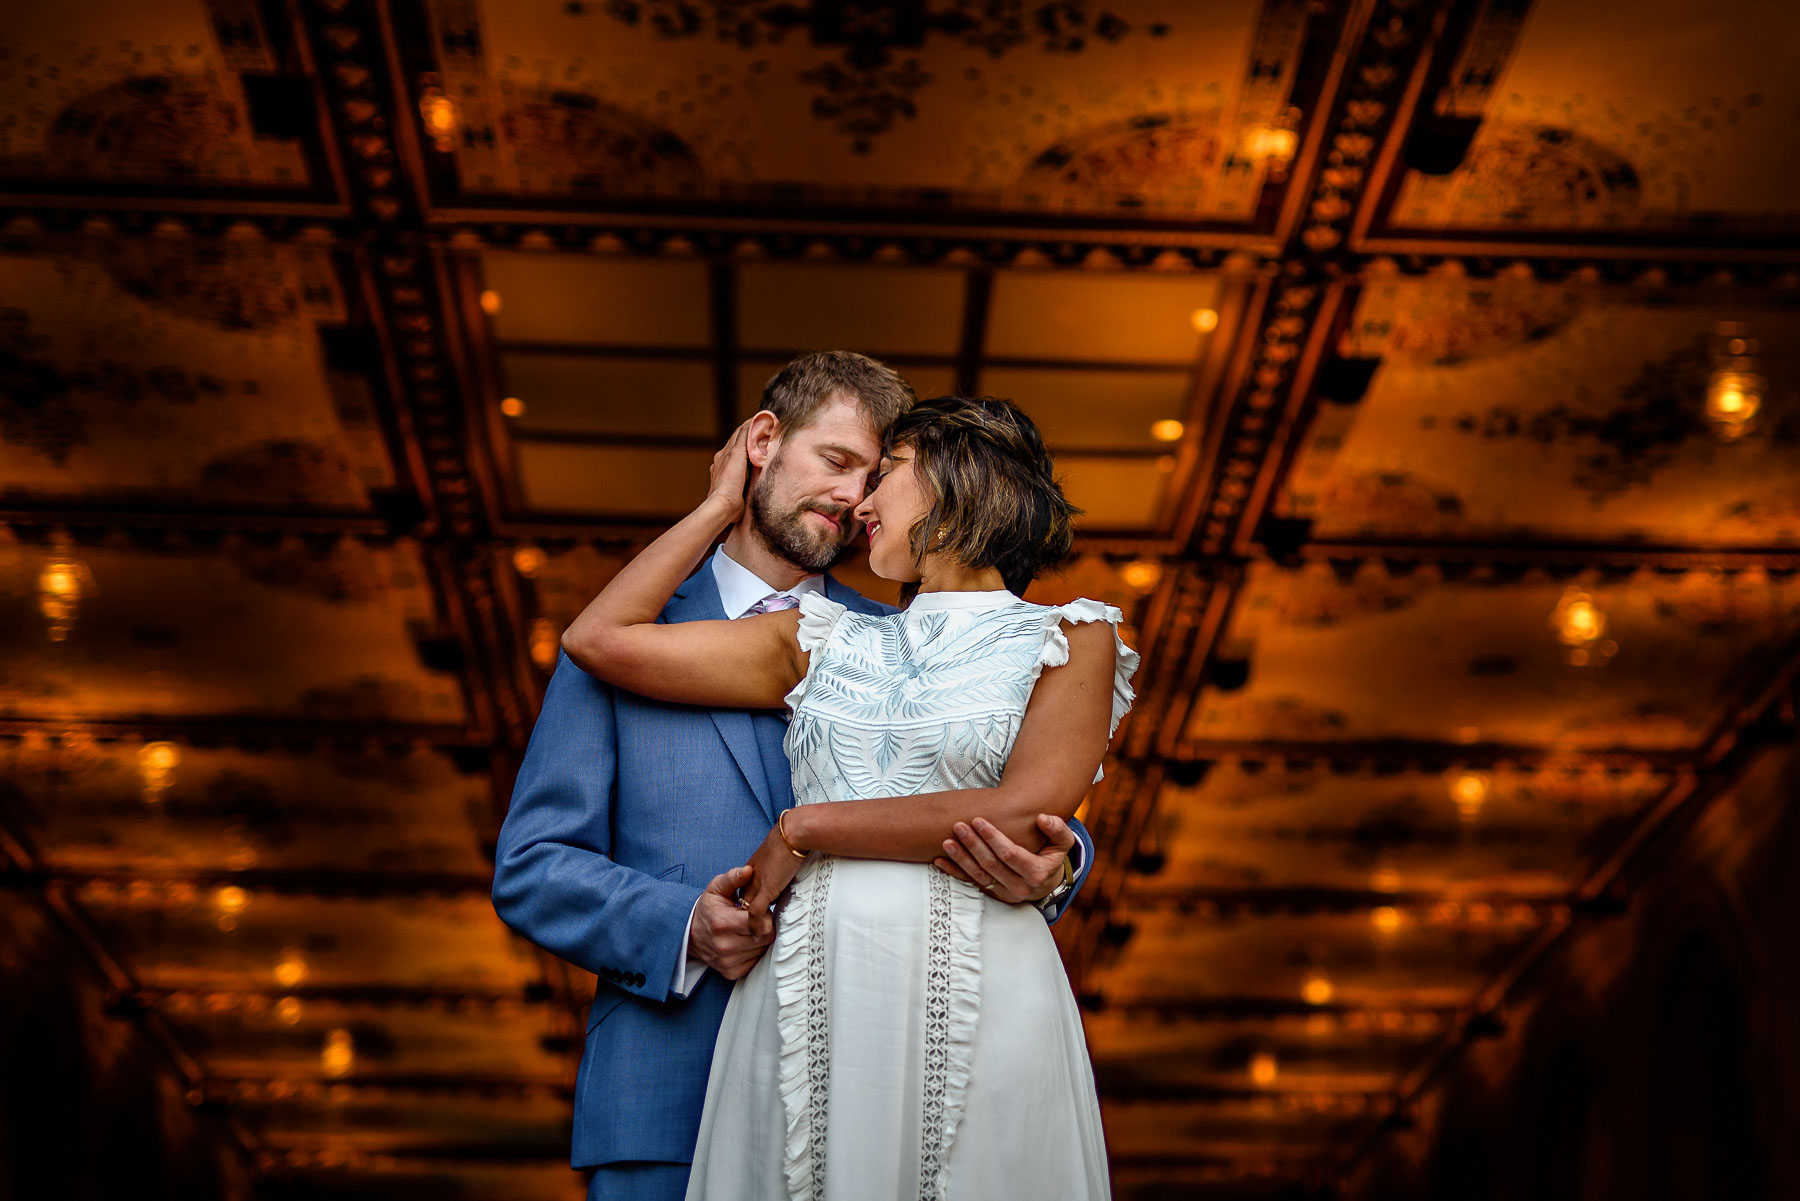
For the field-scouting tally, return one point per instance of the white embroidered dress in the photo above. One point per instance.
(908, 1036)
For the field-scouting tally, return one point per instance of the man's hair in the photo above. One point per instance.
(995, 499)
(802, 388)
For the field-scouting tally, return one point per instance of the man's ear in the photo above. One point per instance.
(763, 438)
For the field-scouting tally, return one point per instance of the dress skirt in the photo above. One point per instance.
(906, 1037)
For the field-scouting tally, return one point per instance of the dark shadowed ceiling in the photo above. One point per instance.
(1426, 369)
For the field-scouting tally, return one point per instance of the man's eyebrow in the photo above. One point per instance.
(847, 451)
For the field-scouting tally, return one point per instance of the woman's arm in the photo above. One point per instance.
(751, 663)
(1061, 742)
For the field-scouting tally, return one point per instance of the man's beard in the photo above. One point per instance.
(787, 533)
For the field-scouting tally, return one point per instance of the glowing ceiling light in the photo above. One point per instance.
(230, 901)
(528, 561)
(1316, 988)
(438, 111)
(490, 302)
(1732, 401)
(1579, 624)
(546, 643)
(1205, 320)
(1263, 1068)
(1386, 918)
(1167, 430)
(291, 970)
(339, 1054)
(1469, 789)
(62, 585)
(1141, 575)
(1385, 879)
(156, 769)
(512, 406)
(289, 1010)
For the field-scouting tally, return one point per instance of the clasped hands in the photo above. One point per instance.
(734, 924)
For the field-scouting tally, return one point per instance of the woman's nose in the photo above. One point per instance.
(862, 510)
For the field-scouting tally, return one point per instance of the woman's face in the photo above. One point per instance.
(890, 512)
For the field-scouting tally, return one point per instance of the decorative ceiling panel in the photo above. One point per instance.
(1150, 107)
(1483, 662)
(1620, 115)
(1115, 494)
(233, 939)
(354, 1119)
(1425, 961)
(152, 92)
(1092, 315)
(166, 372)
(1467, 833)
(877, 310)
(1510, 409)
(253, 629)
(589, 300)
(163, 807)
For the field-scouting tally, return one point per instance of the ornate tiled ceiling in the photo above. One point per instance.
(1426, 370)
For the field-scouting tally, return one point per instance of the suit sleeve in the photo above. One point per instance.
(1085, 841)
(555, 882)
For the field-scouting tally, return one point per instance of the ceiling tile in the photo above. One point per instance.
(755, 374)
(1077, 315)
(585, 394)
(585, 299)
(1093, 410)
(786, 307)
(1113, 493)
(633, 482)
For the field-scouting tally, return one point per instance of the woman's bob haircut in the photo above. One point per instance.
(995, 502)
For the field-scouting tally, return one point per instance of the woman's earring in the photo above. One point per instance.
(940, 537)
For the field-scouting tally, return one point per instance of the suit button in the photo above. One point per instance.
(638, 979)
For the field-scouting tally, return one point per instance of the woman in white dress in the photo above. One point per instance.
(907, 1036)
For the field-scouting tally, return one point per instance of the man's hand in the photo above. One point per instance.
(721, 935)
(981, 855)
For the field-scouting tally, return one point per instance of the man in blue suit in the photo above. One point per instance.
(631, 820)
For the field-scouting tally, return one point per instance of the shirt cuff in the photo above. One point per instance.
(687, 975)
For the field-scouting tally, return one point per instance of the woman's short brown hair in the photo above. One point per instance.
(995, 500)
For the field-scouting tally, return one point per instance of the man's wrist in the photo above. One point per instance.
(1062, 888)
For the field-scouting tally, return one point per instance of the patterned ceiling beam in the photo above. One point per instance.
(274, 735)
(18, 863)
(1336, 1015)
(1505, 561)
(1430, 908)
(1349, 756)
(184, 1001)
(279, 1089)
(196, 529)
(1768, 716)
(156, 887)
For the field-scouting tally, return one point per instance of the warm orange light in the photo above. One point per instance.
(1316, 988)
(231, 900)
(1272, 144)
(1205, 320)
(1141, 575)
(1263, 1068)
(438, 112)
(156, 768)
(1577, 620)
(1385, 879)
(291, 970)
(339, 1054)
(546, 643)
(512, 406)
(1732, 400)
(62, 585)
(490, 302)
(1469, 789)
(528, 561)
(289, 1009)
(1387, 919)
(1167, 430)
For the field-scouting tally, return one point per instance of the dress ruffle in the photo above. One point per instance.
(819, 616)
(799, 965)
(963, 962)
(1056, 652)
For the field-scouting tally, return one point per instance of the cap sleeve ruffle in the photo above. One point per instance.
(1055, 652)
(819, 616)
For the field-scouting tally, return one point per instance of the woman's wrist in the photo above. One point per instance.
(796, 828)
(722, 511)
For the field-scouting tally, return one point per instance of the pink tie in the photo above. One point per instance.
(775, 602)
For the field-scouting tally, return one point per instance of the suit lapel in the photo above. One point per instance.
(698, 600)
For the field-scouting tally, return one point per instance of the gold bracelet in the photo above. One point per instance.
(781, 832)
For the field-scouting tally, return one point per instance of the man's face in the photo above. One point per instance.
(801, 505)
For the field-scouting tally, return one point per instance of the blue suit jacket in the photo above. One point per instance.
(624, 809)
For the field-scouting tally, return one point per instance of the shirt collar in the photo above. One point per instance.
(740, 588)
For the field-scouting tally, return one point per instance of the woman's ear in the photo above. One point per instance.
(763, 438)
